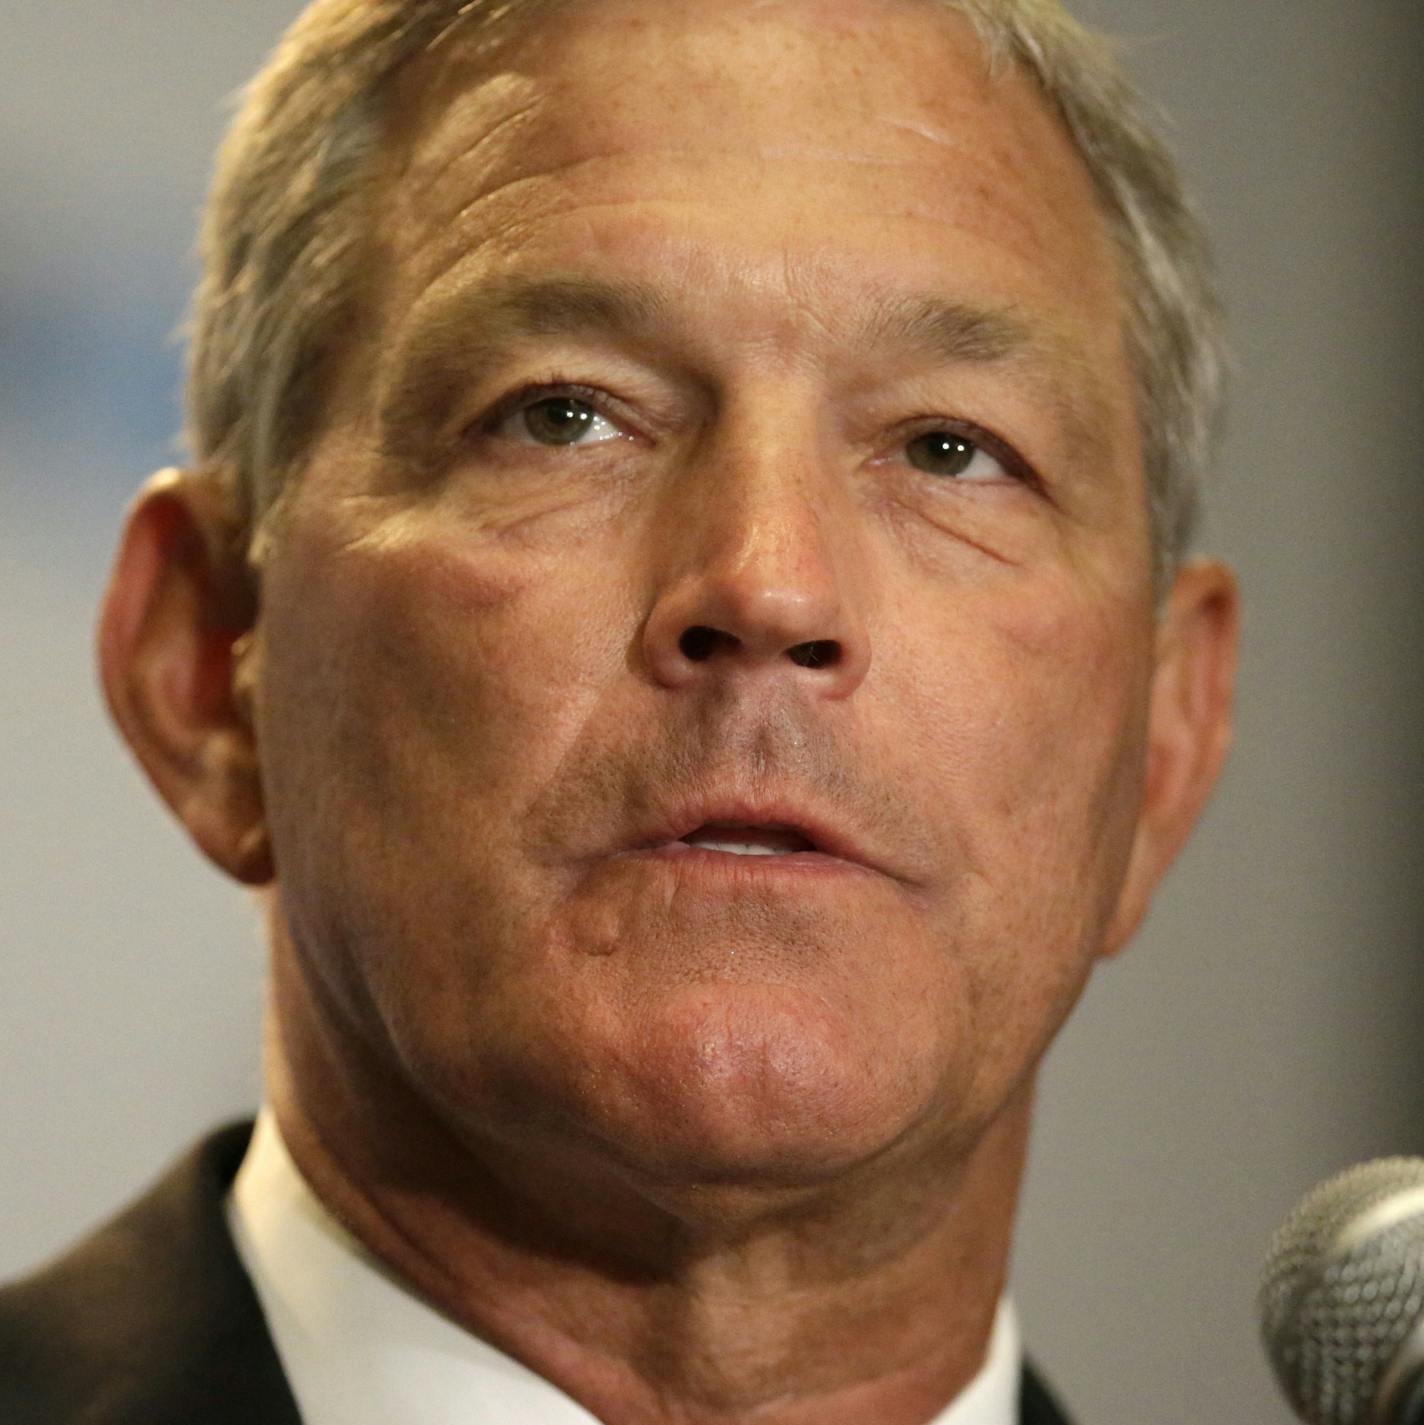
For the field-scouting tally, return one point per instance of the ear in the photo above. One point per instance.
(176, 662)
(1188, 729)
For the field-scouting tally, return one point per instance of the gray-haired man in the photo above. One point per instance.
(679, 607)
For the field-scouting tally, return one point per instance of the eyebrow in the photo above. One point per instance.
(1045, 357)
(544, 306)
(474, 329)
(949, 331)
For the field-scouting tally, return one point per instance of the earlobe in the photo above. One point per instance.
(1188, 729)
(177, 662)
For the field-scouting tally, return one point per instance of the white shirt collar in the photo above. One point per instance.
(359, 1348)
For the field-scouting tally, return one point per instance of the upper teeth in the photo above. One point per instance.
(747, 840)
(742, 848)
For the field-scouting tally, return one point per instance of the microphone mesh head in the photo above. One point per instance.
(1334, 1313)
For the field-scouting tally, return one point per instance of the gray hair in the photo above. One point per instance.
(284, 238)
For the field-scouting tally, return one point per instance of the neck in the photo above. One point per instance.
(654, 1302)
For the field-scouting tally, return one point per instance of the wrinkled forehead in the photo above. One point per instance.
(861, 80)
(891, 102)
(783, 168)
(865, 54)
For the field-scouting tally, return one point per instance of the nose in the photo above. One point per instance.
(759, 579)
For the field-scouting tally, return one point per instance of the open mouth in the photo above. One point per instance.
(747, 840)
(782, 835)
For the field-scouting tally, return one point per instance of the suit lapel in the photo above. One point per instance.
(1036, 1405)
(151, 1321)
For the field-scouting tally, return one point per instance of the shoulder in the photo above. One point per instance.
(149, 1319)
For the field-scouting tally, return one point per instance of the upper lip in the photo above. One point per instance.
(827, 834)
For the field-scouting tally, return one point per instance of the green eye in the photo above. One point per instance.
(943, 452)
(558, 420)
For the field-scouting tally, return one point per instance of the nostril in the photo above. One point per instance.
(699, 642)
(823, 653)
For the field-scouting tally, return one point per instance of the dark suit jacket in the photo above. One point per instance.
(152, 1320)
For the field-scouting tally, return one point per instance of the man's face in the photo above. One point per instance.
(703, 332)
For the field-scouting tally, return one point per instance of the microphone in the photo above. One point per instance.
(1342, 1298)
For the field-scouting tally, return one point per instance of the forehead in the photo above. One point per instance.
(787, 155)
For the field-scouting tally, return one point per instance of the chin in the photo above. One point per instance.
(755, 1087)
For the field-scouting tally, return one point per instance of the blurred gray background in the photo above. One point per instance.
(1262, 1032)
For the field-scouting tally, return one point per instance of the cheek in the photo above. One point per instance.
(418, 691)
(1052, 689)
(1036, 763)
(422, 637)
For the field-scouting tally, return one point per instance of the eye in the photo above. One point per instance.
(953, 456)
(557, 420)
